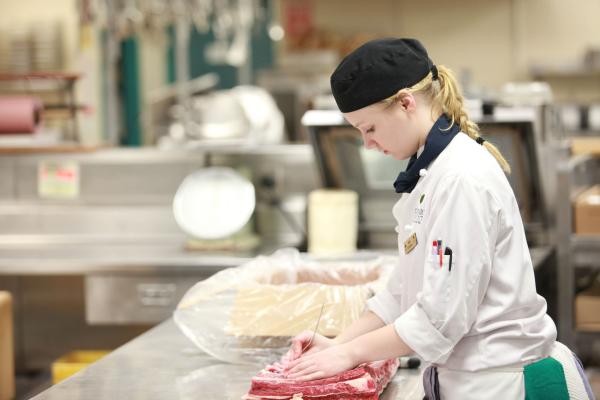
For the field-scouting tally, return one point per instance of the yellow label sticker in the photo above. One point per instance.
(410, 243)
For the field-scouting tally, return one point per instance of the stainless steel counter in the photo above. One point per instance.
(52, 259)
(104, 292)
(117, 257)
(163, 364)
(97, 292)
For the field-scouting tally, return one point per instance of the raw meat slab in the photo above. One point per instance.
(365, 382)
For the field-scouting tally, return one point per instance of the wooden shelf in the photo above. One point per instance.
(37, 83)
(64, 76)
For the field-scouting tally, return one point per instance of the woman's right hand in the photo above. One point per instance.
(300, 342)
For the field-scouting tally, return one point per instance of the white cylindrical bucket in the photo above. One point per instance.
(332, 221)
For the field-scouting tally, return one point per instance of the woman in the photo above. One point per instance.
(463, 296)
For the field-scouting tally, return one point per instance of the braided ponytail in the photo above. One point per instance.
(445, 94)
(450, 100)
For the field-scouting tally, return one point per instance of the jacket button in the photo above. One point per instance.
(423, 172)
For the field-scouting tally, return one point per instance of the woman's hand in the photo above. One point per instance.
(322, 364)
(299, 343)
(380, 344)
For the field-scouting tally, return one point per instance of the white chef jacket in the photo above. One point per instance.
(485, 312)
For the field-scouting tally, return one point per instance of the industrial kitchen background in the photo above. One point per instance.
(146, 145)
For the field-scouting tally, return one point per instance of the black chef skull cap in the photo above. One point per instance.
(377, 70)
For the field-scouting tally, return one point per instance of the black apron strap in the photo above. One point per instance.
(431, 383)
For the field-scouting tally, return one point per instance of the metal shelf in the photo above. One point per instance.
(36, 83)
(574, 251)
(586, 243)
(572, 72)
(585, 250)
(587, 335)
(502, 114)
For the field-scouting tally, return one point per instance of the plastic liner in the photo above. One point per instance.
(248, 314)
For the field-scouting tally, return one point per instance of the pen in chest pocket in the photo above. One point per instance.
(448, 252)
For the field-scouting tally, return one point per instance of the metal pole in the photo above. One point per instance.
(182, 56)
(111, 52)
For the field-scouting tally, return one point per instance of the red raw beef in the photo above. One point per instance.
(366, 381)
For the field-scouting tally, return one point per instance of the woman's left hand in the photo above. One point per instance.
(322, 364)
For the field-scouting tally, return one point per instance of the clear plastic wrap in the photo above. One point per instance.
(248, 314)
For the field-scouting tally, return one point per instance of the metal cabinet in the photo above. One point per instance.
(135, 299)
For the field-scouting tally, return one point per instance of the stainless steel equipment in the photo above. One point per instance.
(97, 270)
(523, 134)
(295, 82)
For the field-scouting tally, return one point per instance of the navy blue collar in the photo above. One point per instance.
(440, 135)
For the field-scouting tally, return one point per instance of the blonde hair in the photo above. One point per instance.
(444, 94)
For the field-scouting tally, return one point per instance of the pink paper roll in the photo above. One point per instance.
(20, 114)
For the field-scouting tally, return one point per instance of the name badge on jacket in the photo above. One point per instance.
(410, 243)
